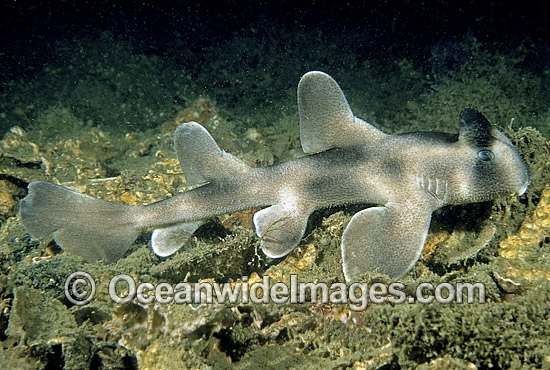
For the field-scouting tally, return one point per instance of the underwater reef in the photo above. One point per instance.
(504, 244)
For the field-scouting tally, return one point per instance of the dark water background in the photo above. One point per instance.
(245, 55)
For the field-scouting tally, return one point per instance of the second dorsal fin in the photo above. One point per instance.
(201, 161)
(201, 158)
(326, 119)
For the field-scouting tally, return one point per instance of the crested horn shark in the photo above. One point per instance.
(406, 177)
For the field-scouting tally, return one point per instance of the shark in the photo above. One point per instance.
(405, 177)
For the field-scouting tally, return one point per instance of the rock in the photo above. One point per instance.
(36, 317)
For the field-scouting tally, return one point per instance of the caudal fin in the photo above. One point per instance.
(89, 227)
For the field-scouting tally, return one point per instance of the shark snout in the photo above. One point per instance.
(522, 177)
(523, 187)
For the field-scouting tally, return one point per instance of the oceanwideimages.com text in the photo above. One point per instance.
(80, 289)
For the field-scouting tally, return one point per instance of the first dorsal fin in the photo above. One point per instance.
(326, 119)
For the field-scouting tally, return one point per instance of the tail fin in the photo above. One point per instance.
(89, 227)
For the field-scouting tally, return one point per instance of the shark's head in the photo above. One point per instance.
(490, 164)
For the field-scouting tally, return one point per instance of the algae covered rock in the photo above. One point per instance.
(36, 317)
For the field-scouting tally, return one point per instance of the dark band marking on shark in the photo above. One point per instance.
(407, 176)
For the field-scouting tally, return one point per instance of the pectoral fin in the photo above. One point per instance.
(280, 228)
(386, 239)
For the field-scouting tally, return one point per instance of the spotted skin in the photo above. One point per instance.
(406, 177)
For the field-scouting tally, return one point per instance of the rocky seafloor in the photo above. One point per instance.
(504, 244)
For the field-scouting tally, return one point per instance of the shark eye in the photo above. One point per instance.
(486, 155)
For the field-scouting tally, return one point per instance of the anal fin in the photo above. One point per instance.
(201, 161)
(167, 240)
(386, 239)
